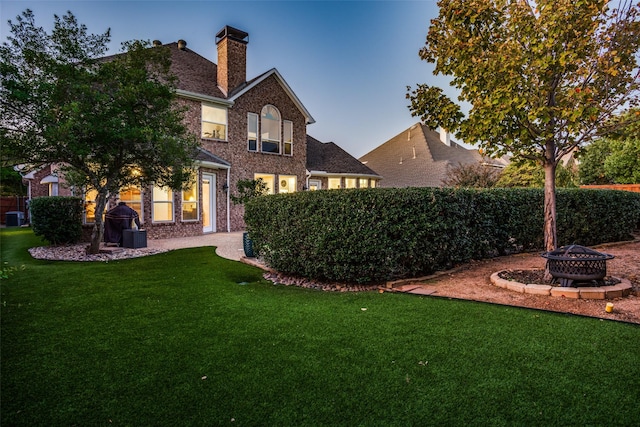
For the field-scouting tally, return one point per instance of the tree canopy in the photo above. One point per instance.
(110, 121)
(541, 77)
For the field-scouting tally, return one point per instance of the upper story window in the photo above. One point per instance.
(214, 122)
(288, 138)
(252, 132)
(270, 130)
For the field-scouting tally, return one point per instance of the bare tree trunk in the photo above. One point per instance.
(550, 214)
(98, 225)
(550, 236)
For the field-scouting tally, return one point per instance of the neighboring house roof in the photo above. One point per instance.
(328, 158)
(417, 157)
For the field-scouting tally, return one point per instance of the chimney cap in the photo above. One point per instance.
(233, 33)
(157, 43)
(182, 45)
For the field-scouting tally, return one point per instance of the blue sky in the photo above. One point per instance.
(349, 62)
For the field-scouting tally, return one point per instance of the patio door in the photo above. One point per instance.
(208, 203)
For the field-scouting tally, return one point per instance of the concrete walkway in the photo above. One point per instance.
(229, 245)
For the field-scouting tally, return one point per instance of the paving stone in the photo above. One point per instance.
(559, 291)
(535, 289)
(592, 293)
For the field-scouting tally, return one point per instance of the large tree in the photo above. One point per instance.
(110, 121)
(541, 77)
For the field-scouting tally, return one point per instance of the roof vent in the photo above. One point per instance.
(157, 43)
(182, 45)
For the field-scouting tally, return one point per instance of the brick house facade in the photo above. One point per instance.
(220, 103)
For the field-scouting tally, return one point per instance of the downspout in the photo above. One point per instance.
(228, 200)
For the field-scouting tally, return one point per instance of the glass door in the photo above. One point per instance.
(208, 203)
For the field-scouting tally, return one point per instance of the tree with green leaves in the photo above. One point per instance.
(614, 159)
(541, 77)
(110, 121)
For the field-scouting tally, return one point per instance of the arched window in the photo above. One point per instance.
(270, 130)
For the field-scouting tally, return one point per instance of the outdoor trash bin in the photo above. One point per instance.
(134, 239)
(14, 219)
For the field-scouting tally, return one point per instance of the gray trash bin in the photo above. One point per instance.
(14, 218)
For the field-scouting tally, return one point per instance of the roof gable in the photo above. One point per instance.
(242, 89)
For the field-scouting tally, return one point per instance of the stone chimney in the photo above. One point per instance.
(445, 137)
(232, 58)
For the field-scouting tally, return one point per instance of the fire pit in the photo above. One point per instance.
(577, 263)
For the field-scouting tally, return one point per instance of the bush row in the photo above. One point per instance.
(374, 235)
(57, 219)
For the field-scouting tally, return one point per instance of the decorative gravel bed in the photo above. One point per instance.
(78, 252)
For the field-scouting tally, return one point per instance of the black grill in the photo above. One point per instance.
(577, 263)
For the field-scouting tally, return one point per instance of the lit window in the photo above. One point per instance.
(334, 183)
(270, 130)
(364, 183)
(252, 132)
(350, 183)
(90, 206)
(288, 138)
(214, 122)
(132, 196)
(373, 183)
(268, 179)
(190, 203)
(287, 183)
(315, 184)
(162, 204)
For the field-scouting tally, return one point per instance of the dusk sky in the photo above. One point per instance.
(349, 62)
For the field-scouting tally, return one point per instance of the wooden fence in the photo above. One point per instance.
(12, 204)
(622, 187)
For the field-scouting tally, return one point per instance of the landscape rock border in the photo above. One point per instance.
(619, 290)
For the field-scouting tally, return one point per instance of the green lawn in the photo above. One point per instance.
(188, 338)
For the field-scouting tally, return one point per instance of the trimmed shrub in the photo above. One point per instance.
(57, 219)
(374, 235)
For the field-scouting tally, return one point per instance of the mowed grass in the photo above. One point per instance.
(189, 339)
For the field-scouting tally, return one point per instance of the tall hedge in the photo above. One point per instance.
(57, 219)
(374, 235)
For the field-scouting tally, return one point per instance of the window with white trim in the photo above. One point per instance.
(252, 132)
(190, 203)
(349, 183)
(288, 137)
(364, 183)
(90, 206)
(270, 130)
(288, 183)
(335, 183)
(268, 179)
(162, 204)
(214, 122)
(132, 196)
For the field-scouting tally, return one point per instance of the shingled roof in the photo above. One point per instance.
(330, 158)
(417, 158)
(195, 73)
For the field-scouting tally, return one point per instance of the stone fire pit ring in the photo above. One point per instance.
(619, 290)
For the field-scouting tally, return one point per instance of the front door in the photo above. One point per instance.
(208, 203)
